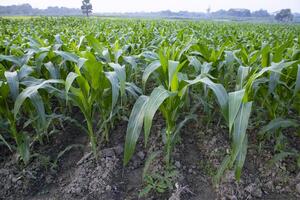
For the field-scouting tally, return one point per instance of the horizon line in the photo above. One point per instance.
(140, 11)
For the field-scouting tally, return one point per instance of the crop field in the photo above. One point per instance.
(94, 108)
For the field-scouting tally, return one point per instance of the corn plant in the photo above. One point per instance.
(97, 92)
(169, 98)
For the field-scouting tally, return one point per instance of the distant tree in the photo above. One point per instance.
(260, 13)
(86, 7)
(239, 12)
(284, 15)
(208, 10)
(219, 13)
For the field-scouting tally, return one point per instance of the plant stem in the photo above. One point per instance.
(168, 143)
(92, 136)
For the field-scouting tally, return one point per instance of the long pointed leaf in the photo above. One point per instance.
(239, 129)
(28, 92)
(157, 97)
(149, 70)
(13, 83)
(234, 104)
(297, 86)
(121, 73)
(113, 79)
(134, 127)
(12, 59)
(279, 123)
(240, 160)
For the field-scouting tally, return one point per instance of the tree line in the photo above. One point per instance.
(284, 15)
(26, 9)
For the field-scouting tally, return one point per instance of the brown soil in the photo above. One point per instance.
(203, 146)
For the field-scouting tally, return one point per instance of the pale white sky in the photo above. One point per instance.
(157, 5)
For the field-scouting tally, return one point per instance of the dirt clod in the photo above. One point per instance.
(177, 164)
(141, 155)
(298, 188)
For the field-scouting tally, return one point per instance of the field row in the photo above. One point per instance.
(115, 70)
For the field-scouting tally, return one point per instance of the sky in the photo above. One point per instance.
(158, 5)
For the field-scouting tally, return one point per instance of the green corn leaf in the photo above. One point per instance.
(54, 73)
(279, 52)
(279, 123)
(83, 83)
(234, 104)
(157, 97)
(163, 61)
(38, 103)
(296, 54)
(93, 70)
(81, 62)
(94, 43)
(195, 63)
(2, 70)
(79, 99)
(239, 129)
(117, 55)
(4, 91)
(113, 79)
(68, 148)
(241, 157)
(6, 143)
(58, 39)
(281, 156)
(172, 72)
(297, 86)
(13, 83)
(24, 72)
(274, 80)
(230, 57)
(134, 127)
(218, 89)
(80, 42)
(134, 90)
(182, 124)
(266, 56)
(71, 57)
(67, 56)
(242, 74)
(23, 147)
(221, 95)
(148, 162)
(275, 67)
(253, 57)
(131, 61)
(30, 92)
(121, 73)
(224, 165)
(204, 50)
(69, 81)
(106, 55)
(17, 61)
(145, 191)
(150, 55)
(206, 67)
(149, 70)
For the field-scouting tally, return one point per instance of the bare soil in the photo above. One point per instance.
(78, 175)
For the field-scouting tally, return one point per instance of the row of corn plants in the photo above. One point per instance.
(132, 69)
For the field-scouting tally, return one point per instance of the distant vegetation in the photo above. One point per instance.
(283, 15)
(26, 9)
